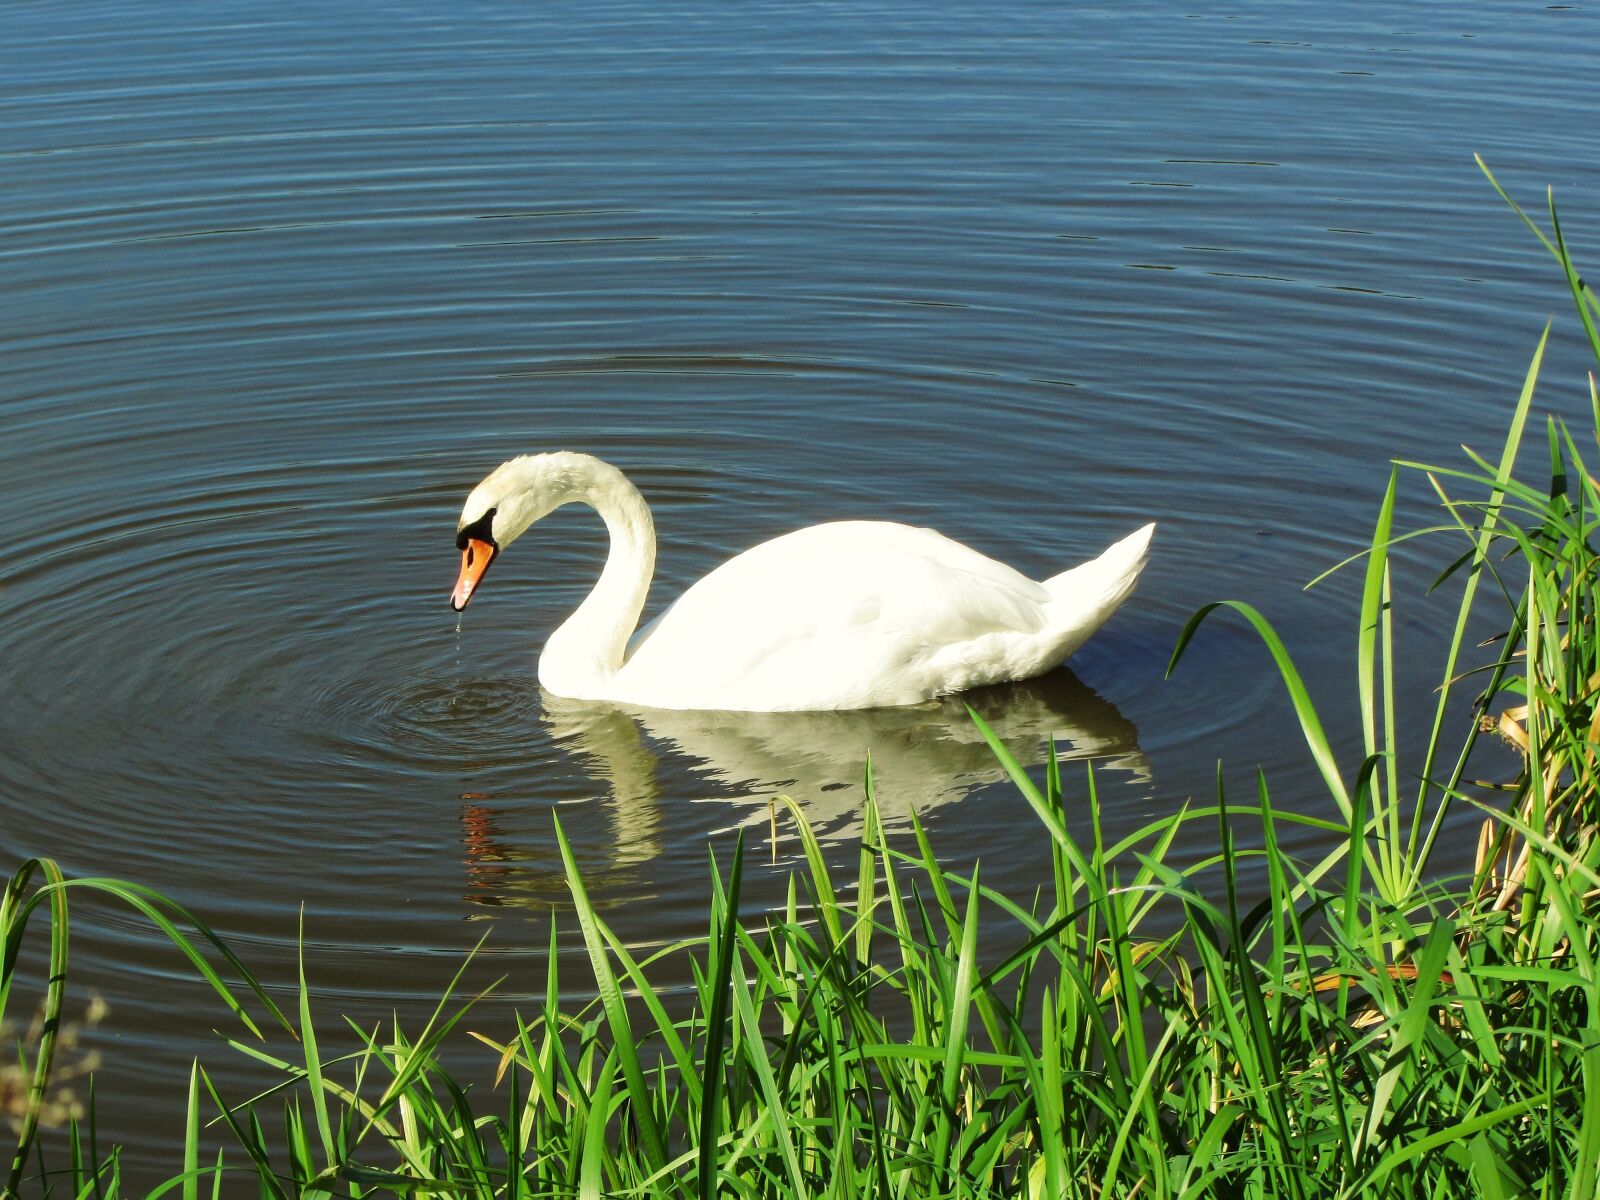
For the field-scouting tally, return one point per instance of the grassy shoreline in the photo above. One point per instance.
(1361, 1029)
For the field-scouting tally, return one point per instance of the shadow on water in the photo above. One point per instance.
(922, 757)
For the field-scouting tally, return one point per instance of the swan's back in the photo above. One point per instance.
(856, 614)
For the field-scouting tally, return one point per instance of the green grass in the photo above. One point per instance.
(1245, 1025)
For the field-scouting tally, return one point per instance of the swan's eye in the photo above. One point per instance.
(482, 530)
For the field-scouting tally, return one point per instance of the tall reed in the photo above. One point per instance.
(37, 889)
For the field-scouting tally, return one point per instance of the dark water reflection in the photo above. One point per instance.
(281, 282)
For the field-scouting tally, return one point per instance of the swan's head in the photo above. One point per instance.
(513, 496)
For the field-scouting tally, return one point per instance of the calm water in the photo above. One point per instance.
(280, 283)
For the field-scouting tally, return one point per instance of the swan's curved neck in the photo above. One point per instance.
(591, 645)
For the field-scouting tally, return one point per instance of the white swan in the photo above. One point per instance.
(851, 614)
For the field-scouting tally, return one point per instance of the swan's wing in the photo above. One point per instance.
(848, 600)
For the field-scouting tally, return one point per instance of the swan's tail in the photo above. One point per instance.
(1081, 599)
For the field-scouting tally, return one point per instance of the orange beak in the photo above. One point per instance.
(475, 560)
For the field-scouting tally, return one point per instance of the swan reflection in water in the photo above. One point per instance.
(923, 757)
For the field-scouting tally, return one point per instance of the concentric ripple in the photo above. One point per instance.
(445, 720)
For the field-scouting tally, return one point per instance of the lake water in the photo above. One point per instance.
(280, 283)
